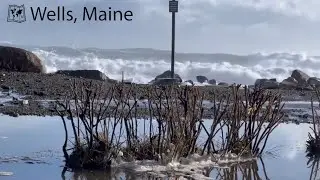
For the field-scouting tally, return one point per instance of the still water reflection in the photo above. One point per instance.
(30, 147)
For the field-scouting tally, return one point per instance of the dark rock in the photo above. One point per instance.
(305, 87)
(88, 74)
(300, 76)
(39, 93)
(270, 85)
(223, 84)
(165, 79)
(267, 84)
(212, 81)
(314, 81)
(127, 82)
(167, 74)
(289, 83)
(16, 59)
(305, 116)
(5, 87)
(201, 79)
(12, 114)
(190, 81)
(260, 81)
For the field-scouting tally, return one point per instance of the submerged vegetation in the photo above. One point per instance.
(103, 127)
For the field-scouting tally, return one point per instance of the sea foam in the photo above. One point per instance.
(142, 65)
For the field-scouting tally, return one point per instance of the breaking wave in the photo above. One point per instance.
(142, 65)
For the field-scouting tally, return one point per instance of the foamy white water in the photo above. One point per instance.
(142, 65)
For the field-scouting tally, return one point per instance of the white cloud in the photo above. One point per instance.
(198, 8)
(232, 26)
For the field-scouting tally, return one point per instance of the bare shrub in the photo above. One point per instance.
(110, 123)
(244, 122)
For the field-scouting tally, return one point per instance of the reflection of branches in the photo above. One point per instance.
(99, 175)
(313, 142)
(107, 175)
(248, 170)
(313, 162)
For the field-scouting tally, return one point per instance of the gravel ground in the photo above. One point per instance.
(37, 86)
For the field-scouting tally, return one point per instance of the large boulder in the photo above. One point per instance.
(165, 79)
(201, 79)
(190, 82)
(88, 74)
(300, 76)
(16, 59)
(289, 83)
(223, 84)
(212, 81)
(167, 74)
(314, 81)
(260, 81)
(267, 83)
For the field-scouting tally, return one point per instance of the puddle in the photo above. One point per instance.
(32, 150)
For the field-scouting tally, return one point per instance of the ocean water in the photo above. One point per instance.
(142, 65)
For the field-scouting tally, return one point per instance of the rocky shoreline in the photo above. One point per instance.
(23, 79)
(38, 88)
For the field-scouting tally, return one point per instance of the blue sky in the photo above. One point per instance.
(210, 26)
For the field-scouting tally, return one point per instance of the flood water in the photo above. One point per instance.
(30, 148)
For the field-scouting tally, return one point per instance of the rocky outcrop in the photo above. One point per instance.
(298, 81)
(267, 83)
(190, 82)
(167, 74)
(201, 79)
(223, 84)
(289, 83)
(271, 85)
(20, 60)
(260, 81)
(301, 77)
(212, 81)
(88, 74)
(314, 81)
(165, 79)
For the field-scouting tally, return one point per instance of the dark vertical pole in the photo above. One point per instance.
(172, 44)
